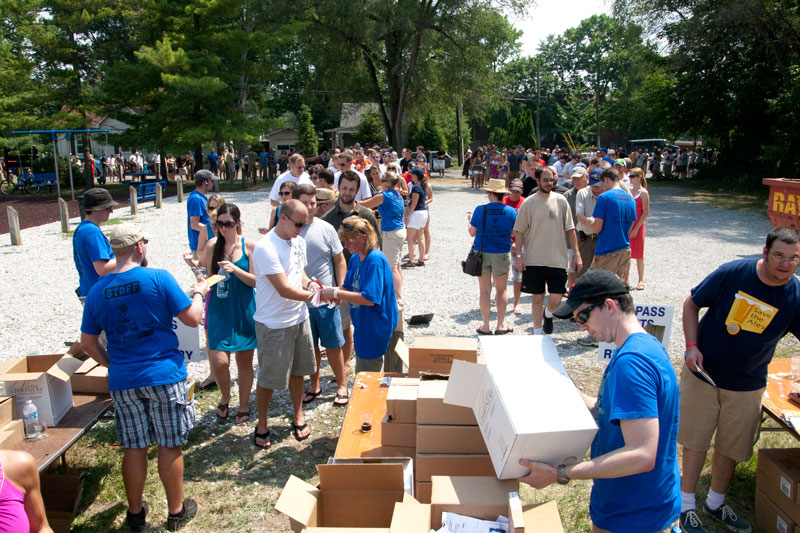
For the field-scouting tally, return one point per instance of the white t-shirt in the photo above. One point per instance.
(283, 178)
(363, 189)
(274, 255)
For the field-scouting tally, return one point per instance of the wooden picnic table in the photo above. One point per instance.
(86, 411)
(775, 400)
(369, 399)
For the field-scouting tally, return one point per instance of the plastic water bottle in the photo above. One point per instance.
(30, 418)
(223, 285)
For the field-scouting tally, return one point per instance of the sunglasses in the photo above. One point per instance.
(226, 223)
(285, 193)
(296, 224)
(583, 315)
(349, 227)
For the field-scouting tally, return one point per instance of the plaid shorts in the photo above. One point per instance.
(159, 413)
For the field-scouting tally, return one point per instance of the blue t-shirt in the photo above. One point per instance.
(500, 219)
(391, 211)
(617, 208)
(374, 324)
(195, 207)
(213, 158)
(262, 158)
(89, 245)
(639, 382)
(745, 320)
(423, 196)
(136, 308)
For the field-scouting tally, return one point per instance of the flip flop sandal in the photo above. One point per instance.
(408, 264)
(207, 385)
(313, 396)
(345, 397)
(242, 417)
(297, 429)
(222, 408)
(262, 436)
(503, 331)
(479, 331)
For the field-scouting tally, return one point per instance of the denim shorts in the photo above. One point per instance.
(326, 326)
(158, 412)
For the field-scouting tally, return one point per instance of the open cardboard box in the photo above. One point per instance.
(45, 379)
(525, 403)
(90, 376)
(480, 497)
(349, 496)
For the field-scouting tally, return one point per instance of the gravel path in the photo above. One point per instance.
(41, 311)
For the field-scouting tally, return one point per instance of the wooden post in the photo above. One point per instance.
(179, 185)
(216, 185)
(63, 211)
(134, 202)
(13, 226)
(159, 196)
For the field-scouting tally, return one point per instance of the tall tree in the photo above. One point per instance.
(307, 136)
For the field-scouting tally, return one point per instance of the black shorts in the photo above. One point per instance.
(535, 277)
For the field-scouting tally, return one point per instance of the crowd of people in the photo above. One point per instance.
(327, 276)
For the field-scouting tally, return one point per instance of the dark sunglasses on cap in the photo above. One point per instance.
(350, 227)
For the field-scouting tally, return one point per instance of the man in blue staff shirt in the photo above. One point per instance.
(752, 304)
(634, 461)
(134, 306)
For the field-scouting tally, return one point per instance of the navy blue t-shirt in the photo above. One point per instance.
(745, 320)
(496, 237)
(617, 208)
(423, 196)
(639, 382)
(374, 324)
(136, 308)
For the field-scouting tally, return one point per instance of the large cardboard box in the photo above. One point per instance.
(395, 434)
(8, 409)
(436, 354)
(778, 477)
(431, 408)
(452, 464)
(450, 439)
(349, 496)
(525, 403)
(411, 517)
(62, 495)
(770, 518)
(11, 434)
(43, 379)
(476, 496)
(401, 400)
(90, 377)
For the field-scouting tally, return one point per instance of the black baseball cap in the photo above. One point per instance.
(97, 199)
(596, 283)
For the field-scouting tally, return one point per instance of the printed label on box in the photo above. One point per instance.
(28, 388)
(786, 487)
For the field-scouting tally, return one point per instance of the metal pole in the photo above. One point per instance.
(55, 164)
(69, 166)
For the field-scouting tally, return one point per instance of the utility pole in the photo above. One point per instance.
(538, 102)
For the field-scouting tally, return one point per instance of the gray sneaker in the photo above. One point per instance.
(726, 515)
(690, 522)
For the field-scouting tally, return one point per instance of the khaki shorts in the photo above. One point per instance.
(393, 245)
(497, 264)
(344, 310)
(616, 262)
(282, 353)
(734, 415)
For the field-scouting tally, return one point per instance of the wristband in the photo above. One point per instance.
(196, 292)
(335, 293)
(690, 344)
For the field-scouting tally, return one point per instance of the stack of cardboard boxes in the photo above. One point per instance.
(778, 490)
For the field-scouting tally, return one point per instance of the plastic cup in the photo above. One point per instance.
(366, 422)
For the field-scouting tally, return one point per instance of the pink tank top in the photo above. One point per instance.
(12, 507)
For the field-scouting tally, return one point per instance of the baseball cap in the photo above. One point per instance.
(97, 199)
(602, 150)
(620, 162)
(411, 165)
(516, 185)
(418, 172)
(578, 172)
(594, 284)
(594, 176)
(124, 235)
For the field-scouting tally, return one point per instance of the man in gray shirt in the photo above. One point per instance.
(325, 264)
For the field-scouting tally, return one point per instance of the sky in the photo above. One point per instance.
(553, 17)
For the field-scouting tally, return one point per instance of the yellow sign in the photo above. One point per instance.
(785, 203)
(749, 314)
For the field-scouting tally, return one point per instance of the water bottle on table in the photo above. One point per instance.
(30, 419)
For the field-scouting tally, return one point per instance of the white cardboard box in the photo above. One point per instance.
(45, 379)
(525, 403)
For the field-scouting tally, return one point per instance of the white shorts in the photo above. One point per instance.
(417, 219)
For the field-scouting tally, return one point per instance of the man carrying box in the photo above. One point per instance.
(634, 454)
(146, 371)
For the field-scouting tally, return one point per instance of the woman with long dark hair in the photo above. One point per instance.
(231, 307)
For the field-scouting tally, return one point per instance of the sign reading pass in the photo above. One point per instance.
(656, 319)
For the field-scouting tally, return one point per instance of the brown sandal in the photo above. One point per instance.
(222, 411)
(242, 417)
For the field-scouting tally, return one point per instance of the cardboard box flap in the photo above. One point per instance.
(87, 366)
(465, 344)
(364, 477)
(27, 368)
(411, 517)
(65, 367)
(401, 349)
(542, 518)
(465, 380)
(298, 501)
(534, 348)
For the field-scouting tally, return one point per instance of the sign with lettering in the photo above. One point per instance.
(655, 319)
(188, 341)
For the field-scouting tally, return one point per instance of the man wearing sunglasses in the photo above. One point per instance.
(752, 304)
(634, 461)
(296, 173)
